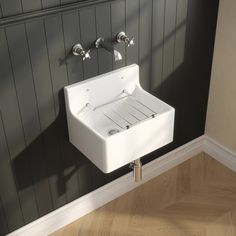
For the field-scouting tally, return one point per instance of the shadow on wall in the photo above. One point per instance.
(52, 135)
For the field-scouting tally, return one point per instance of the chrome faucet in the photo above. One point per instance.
(122, 37)
(78, 50)
(100, 42)
(117, 55)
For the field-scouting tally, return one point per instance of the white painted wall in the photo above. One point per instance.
(221, 115)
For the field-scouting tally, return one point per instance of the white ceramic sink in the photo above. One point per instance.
(113, 121)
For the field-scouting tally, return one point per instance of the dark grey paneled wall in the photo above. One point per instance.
(15, 7)
(39, 169)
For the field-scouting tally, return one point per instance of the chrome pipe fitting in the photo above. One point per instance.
(136, 166)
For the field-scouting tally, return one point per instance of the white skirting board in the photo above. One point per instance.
(99, 197)
(219, 152)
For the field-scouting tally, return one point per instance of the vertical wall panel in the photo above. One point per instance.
(41, 72)
(70, 156)
(56, 52)
(24, 81)
(45, 99)
(50, 3)
(1, 11)
(75, 74)
(10, 117)
(67, 1)
(157, 43)
(84, 174)
(118, 25)
(8, 102)
(3, 223)
(145, 42)
(181, 22)
(29, 5)
(88, 37)
(103, 21)
(100, 26)
(9, 196)
(71, 24)
(16, 141)
(8, 105)
(72, 37)
(29, 112)
(67, 178)
(11, 7)
(41, 80)
(132, 30)
(169, 38)
(25, 89)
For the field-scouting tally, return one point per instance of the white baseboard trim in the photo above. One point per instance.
(219, 152)
(88, 203)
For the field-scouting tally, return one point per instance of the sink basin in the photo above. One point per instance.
(113, 121)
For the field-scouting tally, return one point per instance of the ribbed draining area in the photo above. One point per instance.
(126, 112)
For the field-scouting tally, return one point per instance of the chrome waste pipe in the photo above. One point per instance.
(136, 166)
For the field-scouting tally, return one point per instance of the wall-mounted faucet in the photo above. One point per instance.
(78, 50)
(100, 42)
(122, 37)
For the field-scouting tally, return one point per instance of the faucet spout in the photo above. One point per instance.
(117, 55)
(100, 42)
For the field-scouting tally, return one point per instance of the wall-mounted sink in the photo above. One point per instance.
(113, 121)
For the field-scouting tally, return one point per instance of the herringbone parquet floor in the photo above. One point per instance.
(197, 198)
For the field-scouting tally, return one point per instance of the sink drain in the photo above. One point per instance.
(113, 131)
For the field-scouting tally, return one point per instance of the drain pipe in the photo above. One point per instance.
(136, 166)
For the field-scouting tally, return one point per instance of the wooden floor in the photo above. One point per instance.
(197, 198)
